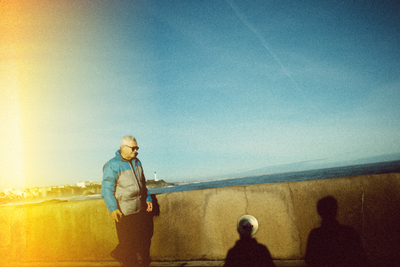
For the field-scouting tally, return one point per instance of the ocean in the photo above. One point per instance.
(316, 174)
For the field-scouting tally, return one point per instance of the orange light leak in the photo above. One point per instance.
(11, 112)
(38, 40)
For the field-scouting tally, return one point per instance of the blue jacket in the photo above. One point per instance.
(124, 185)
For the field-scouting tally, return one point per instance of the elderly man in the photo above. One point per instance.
(129, 202)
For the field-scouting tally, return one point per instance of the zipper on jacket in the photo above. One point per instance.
(134, 174)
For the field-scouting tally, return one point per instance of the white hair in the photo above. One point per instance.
(126, 139)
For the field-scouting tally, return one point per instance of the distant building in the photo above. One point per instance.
(12, 193)
(84, 183)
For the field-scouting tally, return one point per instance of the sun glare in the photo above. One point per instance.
(12, 143)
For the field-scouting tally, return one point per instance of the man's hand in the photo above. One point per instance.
(116, 215)
(149, 206)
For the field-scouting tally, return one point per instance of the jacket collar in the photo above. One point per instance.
(118, 155)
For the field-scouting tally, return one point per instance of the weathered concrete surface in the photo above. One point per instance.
(278, 263)
(201, 225)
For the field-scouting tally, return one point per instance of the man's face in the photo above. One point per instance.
(129, 151)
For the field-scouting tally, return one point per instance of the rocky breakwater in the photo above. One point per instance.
(158, 183)
(201, 224)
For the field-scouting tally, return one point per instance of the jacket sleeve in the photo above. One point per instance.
(110, 177)
(148, 199)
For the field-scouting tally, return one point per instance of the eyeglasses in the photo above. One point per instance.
(133, 148)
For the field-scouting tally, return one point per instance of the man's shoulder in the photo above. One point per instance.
(315, 232)
(115, 161)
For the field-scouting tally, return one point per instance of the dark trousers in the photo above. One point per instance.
(134, 234)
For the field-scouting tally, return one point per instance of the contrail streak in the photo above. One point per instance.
(265, 44)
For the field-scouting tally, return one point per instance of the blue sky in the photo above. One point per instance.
(207, 87)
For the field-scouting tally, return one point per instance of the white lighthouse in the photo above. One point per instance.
(155, 176)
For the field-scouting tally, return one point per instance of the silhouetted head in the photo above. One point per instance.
(327, 208)
(247, 226)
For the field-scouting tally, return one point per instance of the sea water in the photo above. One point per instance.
(317, 174)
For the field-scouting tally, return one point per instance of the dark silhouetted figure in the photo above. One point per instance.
(247, 251)
(333, 244)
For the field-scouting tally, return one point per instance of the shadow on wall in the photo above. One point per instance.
(247, 251)
(333, 244)
(156, 206)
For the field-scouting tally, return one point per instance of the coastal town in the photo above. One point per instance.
(82, 188)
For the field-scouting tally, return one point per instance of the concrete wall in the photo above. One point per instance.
(201, 225)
